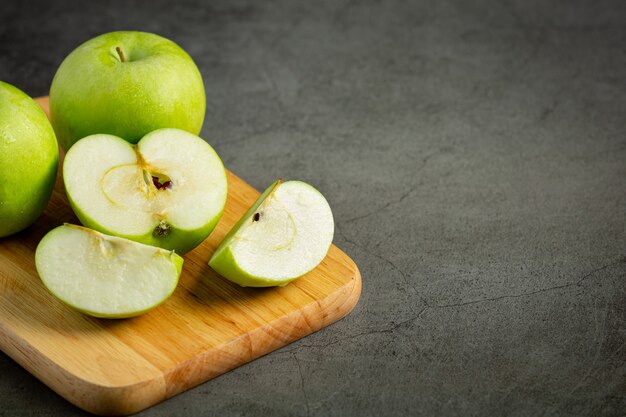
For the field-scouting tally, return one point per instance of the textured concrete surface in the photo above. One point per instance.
(474, 154)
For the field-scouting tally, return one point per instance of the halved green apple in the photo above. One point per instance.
(105, 276)
(169, 190)
(285, 234)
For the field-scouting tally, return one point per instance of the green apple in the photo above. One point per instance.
(285, 234)
(126, 84)
(169, 190)
(29, 157)
(105, 276)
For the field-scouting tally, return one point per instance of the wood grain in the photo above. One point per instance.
(207, 327)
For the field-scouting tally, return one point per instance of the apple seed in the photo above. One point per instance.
(256, 217)
(157, 183)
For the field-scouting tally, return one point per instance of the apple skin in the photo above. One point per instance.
(226, 265)
(158, 86)
(29, 157)
(182, 241)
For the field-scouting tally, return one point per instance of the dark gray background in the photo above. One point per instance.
(474, 157)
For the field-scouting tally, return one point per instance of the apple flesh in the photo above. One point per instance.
(105, 276)
(169, 190)
(29, 157)
(126, 84)
(285, 234)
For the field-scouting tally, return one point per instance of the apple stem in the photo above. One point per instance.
(121, 54)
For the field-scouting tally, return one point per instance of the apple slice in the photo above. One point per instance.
(285, 234)
(169, 190)
(105, 276)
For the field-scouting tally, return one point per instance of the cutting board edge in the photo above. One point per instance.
(338, 305)
(94, 398)
(130, 399)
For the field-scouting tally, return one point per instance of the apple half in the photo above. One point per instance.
(105, 276)
(285, 234)
(169, 190)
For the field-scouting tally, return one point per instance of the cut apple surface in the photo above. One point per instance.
(285, 234)
(169, 190)
(105, 276)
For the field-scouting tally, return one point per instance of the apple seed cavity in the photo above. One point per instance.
(160, 181)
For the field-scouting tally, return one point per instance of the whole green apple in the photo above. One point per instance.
(29, 157)
(126, 84)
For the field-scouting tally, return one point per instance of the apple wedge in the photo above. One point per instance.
(169, 190)
(105, 276)
(285, 234)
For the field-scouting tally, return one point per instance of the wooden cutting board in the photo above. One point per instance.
(207, 327)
